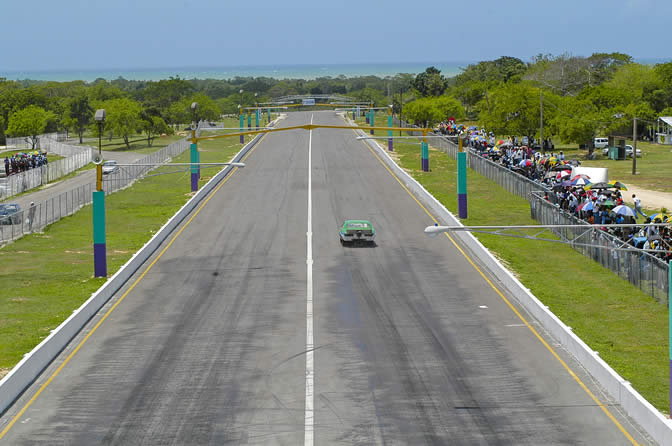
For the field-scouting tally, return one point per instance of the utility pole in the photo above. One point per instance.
(634, 146)
(541, 122)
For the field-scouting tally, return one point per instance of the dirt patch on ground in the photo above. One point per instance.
(651, 199)
(19, 299)
(74, 252)
(3, 372)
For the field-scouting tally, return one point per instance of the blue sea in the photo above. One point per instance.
(307, 72)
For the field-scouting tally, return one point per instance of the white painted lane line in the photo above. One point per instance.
(309, 437)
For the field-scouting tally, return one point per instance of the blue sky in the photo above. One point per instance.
(94, 34)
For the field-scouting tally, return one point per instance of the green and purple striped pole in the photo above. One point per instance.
(268, 111)
(461, 182)
(372, 114)
(195, 168)
(99, 242)
(367, 114)
(249, 121)
(256, 118)
(353, 113)
(424, 153)
(390, 146)
(242, 125)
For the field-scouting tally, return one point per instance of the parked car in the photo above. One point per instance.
(110, 167)
(628, 151)
(601, 143)
(354, 231)
(10, 214)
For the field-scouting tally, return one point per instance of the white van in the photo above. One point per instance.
(601, 143)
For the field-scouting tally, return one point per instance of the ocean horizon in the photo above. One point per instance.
(278, 71)
(295, 71)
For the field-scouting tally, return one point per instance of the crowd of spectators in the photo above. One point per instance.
(596, 203)
(21, 162)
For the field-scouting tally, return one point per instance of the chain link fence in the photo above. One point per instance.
(38, 216)
(30, 179)
(76, 157)
(645, 271)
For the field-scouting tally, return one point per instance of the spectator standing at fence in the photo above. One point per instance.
(638, 205)
(6, 166)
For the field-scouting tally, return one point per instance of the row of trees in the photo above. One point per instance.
(581, 96)
(144, 105)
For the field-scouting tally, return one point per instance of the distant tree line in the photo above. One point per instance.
(582, 96)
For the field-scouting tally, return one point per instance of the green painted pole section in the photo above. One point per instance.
(256, 119)
(462, 172)
(99, 217)
(249, 121)
(268, 112)
(194, 158)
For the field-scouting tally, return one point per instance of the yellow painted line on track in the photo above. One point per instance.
(100, 322)
(511, 306)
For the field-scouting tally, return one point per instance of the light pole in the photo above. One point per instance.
(195, 168)
(99, 238)
(242, 121)
(256, 112)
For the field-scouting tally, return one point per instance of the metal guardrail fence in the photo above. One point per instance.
(643, 270)
(30, 179)
(37, 217)
(646, 272)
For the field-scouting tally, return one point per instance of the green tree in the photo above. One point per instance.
(207, 109)
(430, 82)
(513, 109)
(29, 122)
(449, 107)
(79, 114)
(153, 126)
(577, 120)
(423, 111)
(123, 118)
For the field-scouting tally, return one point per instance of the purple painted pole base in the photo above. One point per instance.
(462, 205)
(372, 131)
(425, 164)
(389, 144)
(100, 260)
(194, 181)
(242, 139)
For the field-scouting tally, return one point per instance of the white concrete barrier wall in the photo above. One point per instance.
(648, 417)
(33, 363)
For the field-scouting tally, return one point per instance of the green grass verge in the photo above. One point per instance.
(44, 277)
(653, 167)
(138, 146)
(627, 327)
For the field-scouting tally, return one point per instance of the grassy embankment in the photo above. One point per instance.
(45, 276)
(627, 327)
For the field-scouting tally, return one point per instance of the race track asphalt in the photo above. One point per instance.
(411, 344)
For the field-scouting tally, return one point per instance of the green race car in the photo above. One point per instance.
(354, 231)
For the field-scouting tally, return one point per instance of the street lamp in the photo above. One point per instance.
(100, 119)
(195, 168)
(99, 236)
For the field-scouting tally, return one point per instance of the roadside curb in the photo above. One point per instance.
(36, 361)
(656, 424)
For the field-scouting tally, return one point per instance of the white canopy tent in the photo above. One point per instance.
(664, 133)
